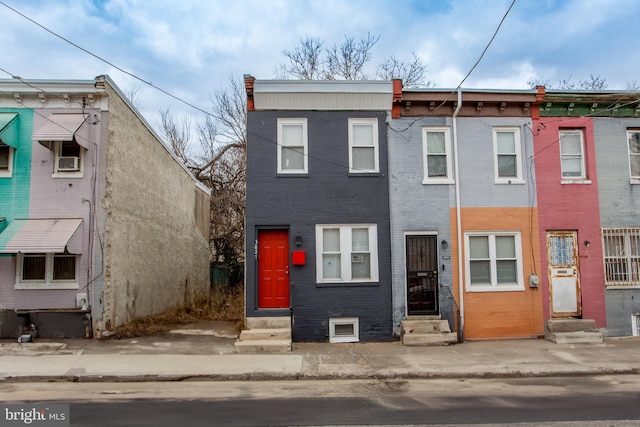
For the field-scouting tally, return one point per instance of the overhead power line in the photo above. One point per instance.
(107, 62)
(481, 55)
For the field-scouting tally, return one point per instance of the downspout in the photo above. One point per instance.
(458, 213)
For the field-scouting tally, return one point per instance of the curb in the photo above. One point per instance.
(319, 377)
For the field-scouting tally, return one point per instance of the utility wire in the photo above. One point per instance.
(481, 55)
(107, 62)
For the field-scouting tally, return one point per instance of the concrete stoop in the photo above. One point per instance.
(426, 331)
(572, 331)
(265, 334)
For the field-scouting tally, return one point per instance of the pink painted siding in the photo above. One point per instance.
(570, 207)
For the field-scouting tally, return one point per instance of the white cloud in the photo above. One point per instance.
(191, 48)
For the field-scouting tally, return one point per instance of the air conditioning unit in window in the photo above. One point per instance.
(68, 164)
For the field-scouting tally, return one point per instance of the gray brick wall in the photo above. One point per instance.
(328, 194)
(619, 207)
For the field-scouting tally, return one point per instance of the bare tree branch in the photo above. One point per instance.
(347, 61)
(305, 61)
(412, 74)
(594, 82)
(178, 134)
(220, 165)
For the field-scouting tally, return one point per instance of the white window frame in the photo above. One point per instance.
(305, 144)
(9, 171)
(623, 262)
(342, 321)
(67, 174)
(494, 286)
(583, 166)
(635, 179)
(48, 282)
(448, 179)
(375, 145)
(346, 253)
(518, 178)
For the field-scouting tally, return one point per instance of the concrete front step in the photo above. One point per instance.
(570, 325)
(265, 334)
(268, 322)
(427, 326)
(426, 331)
(579, 337)
(432, 339)
(267, 346)
(572, 331)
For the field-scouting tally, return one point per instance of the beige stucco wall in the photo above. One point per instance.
(156, 252)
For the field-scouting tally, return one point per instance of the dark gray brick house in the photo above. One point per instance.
(317, 214)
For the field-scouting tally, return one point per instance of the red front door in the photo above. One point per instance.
(273, 269)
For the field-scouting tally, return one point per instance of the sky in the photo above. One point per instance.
(192, 48)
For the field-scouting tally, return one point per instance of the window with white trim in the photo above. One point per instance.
(50, 271)
(363, 145)
(344, 329)
(292, 146)
(621, 256)
(507, 155)
(572, 154)
(68, 158)
(633, 137)
(347, 253)
(436, 147)
(6, 160)
(493, 261)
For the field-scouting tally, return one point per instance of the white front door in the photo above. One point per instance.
(564, 277)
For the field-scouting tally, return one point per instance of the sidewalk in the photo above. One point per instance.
(206, 352)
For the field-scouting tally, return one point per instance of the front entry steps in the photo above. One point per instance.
(265, 335)
(572, 331)
(426, 331)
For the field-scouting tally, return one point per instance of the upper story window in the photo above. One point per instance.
(436, 147)
(633, 137)
(493, 261)
(292, 146)
(572, 154)
(347, 253)
(621, 256)
(363, 145)
(50, 271)
(8, 142)
(6, 160)
(507, 155)
(68, 158)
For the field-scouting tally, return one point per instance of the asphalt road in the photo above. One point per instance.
(568, 401)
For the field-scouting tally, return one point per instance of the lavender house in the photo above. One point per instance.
(99, 223)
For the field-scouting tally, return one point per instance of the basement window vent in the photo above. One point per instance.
(344, 329)
(635, 324)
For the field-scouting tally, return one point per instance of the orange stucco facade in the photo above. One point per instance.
(501, 314)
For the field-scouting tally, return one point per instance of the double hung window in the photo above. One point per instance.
(621, 256)
(51, 270)
(68, 157)
(436, 146)
(363, 145)
(507, 159)
(494, 261)
(633, 138)
(6, 160)
(572, 154)
(347, 253)
(292, 146)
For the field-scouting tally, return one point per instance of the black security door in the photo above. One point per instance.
(422, 275)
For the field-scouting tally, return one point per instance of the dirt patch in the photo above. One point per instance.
(226, 304)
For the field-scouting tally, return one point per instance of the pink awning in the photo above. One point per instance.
(63, 127)
(42, 236)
